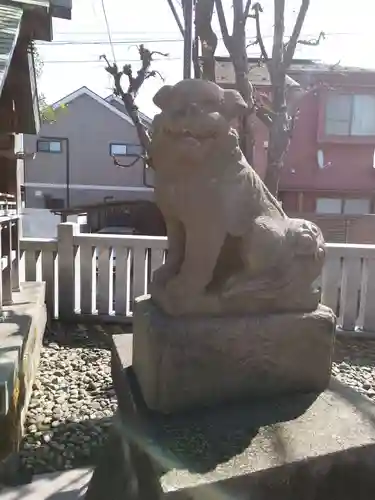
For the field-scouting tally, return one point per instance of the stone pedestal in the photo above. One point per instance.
(183, 363)
(299, 447)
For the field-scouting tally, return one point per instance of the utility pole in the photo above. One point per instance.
(186, 30)
(188, 36)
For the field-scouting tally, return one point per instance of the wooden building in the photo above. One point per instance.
(21, 23)
(22, 307)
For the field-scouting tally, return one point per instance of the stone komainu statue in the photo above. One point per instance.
(232, 249)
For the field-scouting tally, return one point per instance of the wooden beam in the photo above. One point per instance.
(36, 25)
(20, 87)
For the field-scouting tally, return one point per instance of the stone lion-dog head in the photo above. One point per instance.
(196, 121)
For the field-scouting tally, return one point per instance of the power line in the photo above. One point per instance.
(121, 61)
(108, 31)
(140, 32)
(124, 61)
(104, 42)
(165, 40)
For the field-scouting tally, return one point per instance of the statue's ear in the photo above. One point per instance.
(162, 96)
(234, 104)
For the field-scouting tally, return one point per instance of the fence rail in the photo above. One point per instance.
(99, 275)
(96, 275)
(9, 256)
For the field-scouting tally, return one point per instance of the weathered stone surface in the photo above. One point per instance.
(197, 361)
(21, 333)
(300, 447)
(232, 249)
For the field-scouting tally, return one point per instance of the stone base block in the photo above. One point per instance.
(22, 328)
(183, 363)
(295, 447)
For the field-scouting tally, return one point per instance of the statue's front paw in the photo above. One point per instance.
(176, 290)
(161, 276)
(180, 295)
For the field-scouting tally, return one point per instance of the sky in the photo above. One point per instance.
(72, 59)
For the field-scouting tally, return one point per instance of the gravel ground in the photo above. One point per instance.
(73, 398)
(72, 401)
(354, 364)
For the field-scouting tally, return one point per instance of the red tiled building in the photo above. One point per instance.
(329, 168)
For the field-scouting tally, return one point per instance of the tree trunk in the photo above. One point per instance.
(279, 132)
(203, 17)
(241, 69)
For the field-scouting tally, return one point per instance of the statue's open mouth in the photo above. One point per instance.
(188, 134)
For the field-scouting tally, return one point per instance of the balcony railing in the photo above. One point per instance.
(97, 276)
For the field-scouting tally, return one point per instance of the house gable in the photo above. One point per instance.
(84, 91)
(118, 104)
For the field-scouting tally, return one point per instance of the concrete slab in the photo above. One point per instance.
(22, 328)
(305, 447)
(67, 485)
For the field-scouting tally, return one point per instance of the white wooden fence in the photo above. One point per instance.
(98, 275)
(91, 275)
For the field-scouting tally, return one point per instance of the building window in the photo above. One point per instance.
(48, 146)
(357, 206)
(118, 149)
(353, 206)
(134, 149)
(328, 206)
(350, 114)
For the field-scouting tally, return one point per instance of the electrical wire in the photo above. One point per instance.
(95, 61)
(114, 42)
(108, 31)
(129, 41)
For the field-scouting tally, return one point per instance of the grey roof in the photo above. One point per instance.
(10, 20)
(33, 3)
(146, 120)
(258, 74)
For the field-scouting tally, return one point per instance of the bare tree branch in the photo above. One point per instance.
(135, 83)
(252, 43)
(291, 46)
(315, 42)
(195, 56)
(223, 25)
(278, 34)
(257, 8)
(203, 18)
(246, 11)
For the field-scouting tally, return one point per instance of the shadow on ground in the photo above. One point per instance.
(354, 351)
(58, 486)
(73, 443)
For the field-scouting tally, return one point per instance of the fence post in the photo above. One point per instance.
(66, 273)
(16, 235)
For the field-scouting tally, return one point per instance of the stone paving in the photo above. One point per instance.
(73, 401)
(68, 485)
